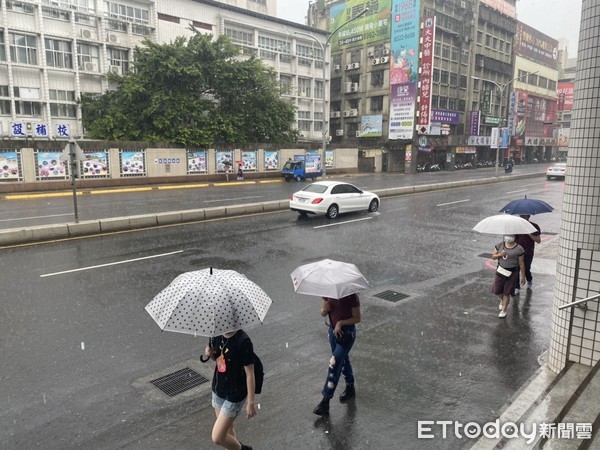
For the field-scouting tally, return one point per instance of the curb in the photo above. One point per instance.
(41, 233)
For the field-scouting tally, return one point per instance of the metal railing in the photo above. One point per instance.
(579, 302)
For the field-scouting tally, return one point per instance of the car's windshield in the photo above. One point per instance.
(316, 188)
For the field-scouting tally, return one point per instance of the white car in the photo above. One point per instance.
(558, 170)
(331, 198)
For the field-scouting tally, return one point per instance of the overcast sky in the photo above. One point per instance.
(556, 18)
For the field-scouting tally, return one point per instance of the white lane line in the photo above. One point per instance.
(342, 223)
(230, 199)
(36, 217)
(454, 203)
(110, 264)
(515, 192)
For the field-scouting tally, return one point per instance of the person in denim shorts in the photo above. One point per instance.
(233, 385)
(343, 314)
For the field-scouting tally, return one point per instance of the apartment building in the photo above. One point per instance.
(52, 51)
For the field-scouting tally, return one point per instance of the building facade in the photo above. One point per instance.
(55, 50)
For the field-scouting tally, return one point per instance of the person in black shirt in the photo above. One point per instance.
(233, 385)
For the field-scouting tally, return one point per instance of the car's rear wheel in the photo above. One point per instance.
(374, 205)
(332, 211)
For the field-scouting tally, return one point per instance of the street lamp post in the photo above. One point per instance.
(324, 47)
(501, 88)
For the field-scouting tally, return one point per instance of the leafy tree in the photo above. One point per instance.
(194, 92)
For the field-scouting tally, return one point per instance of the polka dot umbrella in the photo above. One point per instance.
(209, 302)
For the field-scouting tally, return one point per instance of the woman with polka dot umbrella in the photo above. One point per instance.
(209, 302)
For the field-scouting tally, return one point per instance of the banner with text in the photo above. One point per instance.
(372, 27)
(427, 52)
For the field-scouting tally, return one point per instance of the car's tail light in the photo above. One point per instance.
(292, 197)
(316, 201)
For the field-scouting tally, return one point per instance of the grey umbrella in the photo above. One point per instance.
(209, 302)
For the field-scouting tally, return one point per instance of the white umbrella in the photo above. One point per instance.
(504, 224)
(209, 302)
(328, 278)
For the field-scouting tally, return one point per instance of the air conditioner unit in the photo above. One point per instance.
(336, 113)
(87, 34)
(113, 38)
(386, 51)
(349, 86)
(347, 113)
(371, 54)
(90, 67)
(353, 112)
(384, 60)
(375, 61)
(463, 4)
(354, 87)
(339, 132)
(337, 67)
(356, 65)
(348, 66)
(304, 92)
(358, 134)
(117, 70)
(481, 62)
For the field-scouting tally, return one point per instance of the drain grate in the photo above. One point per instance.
(485, 255)
(391, 296)
(177, 382)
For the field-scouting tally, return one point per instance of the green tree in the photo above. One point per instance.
(194, 92)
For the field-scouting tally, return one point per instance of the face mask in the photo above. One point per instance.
(509, 239)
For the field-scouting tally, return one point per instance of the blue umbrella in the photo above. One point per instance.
(527, 206)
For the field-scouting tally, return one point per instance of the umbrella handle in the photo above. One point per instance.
(204, 358)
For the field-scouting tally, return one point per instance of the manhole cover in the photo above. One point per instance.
(485, 255)
(391, 296)
(177, 382)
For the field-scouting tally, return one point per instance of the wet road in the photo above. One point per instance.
(78, 348)
(20, 212)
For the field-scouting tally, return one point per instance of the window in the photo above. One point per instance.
(32, 109)
(444, 76)
(141, 30)
(4, 91)
(455, 54)
(532, 79)
(355, 56)
(23, 48)
(377, 103)
(56, 94)
(240, 37)
(543, 82)
(495, 43)
(452, 104)
(488, 40)
(2, 50)
(285, 84)
(453, 79)
(274, 45)
(304, 87)
(87, 57)
(436, 75)
(551, 85)
(82, 5)
(117, 57)
(463, 81)
(5, 107)
(116, 25)
(319, 89)
(84, 19)
(126, 12)
(305, 55)
(20, 7)
(446, 51)
(377, 78)
(318, 121)
(435, 101)
(462, 105)
(335, 85)
(58, 54)
(480, 37)
(58, 14)
(63, 110)
(304, 122)
(443, 102)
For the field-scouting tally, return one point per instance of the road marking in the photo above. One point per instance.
(515, 192)
(342, 223)
(230, 199)
(36, 217)
(110, 264)
(453, 203)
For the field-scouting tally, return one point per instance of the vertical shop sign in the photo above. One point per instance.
(404, 68)
(424, 114)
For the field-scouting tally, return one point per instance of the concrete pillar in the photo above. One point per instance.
(576, 332)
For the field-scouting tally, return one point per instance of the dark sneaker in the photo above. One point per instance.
(322, 408)
(245, 447)
(348, 394)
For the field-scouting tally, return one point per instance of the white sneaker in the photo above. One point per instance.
(517, 291)
(500, 306)
(502, 314)
(529, 285)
